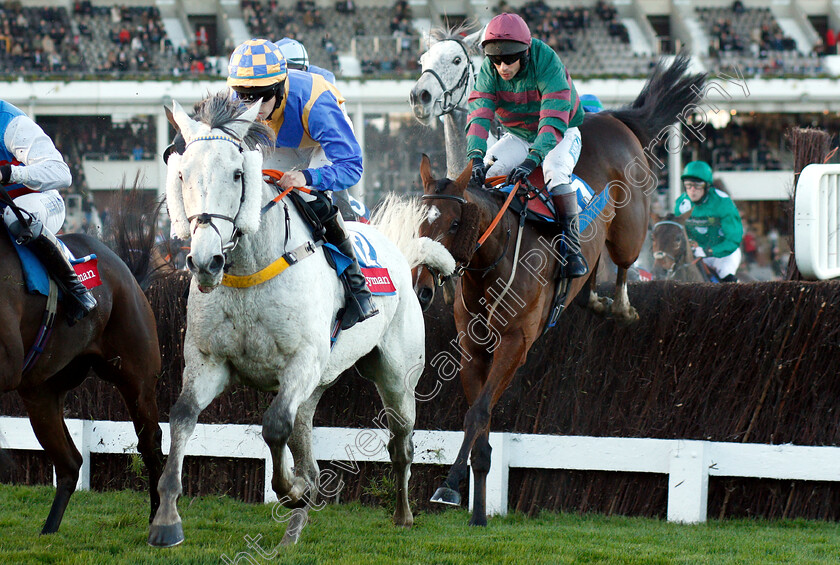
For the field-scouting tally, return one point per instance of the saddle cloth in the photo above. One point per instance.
(589, 204)
(35, 274)
(377, 277)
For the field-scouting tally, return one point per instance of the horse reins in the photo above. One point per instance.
(445, 100)
(459, 269)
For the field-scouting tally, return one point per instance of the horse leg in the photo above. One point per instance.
(198, 391)
(475, 365)
(621, 309)
(598, 304)
(137, 387)
(306, 469)
(507, 358)
(45, 407)
(397, 393)
(480, 457)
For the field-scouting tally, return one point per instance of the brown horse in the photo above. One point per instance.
(505, 293)
(118, 340)
(672, 256)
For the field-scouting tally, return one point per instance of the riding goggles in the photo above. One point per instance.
(696, 185)
(251, 96)
(508, 59)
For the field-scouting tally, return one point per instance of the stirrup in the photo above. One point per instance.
(356, 310)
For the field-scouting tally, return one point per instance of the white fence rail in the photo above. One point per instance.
(817, 222)
(688, 463)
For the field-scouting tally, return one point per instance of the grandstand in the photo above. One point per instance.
(105, 71)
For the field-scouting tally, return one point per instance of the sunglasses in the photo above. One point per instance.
(258, 96)
(506, 59)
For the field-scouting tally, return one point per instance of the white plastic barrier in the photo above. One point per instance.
(816, 222)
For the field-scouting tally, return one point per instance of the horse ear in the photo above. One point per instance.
(171, 119)
(464, 178)
(183, 123)
(654, 218)
(240, 126)
(683, 217)
(248, 218)
(179, 225)
(473, 40)
(426, 171)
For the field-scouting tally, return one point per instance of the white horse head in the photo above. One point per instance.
(214, 189)
(448, 74)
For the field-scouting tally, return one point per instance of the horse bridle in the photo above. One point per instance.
(206, 217)
(658, 255)
(460, 268)
(445, 100)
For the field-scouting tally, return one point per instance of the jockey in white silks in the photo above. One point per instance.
(315, 146)
(32, 172)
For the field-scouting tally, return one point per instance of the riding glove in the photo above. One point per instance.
(5, 173)
(479, 171)
(521, 171)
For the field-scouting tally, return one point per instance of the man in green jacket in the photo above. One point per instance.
(524, 83)
(714, 225)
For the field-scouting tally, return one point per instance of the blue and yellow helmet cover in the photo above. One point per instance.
(256, 62)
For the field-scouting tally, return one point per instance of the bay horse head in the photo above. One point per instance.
(451, 220)
(214, 188)
(447, 74)
(670, 245)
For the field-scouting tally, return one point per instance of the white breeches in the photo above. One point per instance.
(47, 207)
(724, 266)
(557, 166)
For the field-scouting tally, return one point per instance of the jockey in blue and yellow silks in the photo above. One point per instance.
(315, 146)
(32, 171)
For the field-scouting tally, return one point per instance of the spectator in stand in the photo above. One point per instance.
(830, 42)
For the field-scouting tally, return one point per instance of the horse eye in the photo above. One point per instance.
(457, 61)
(454, 227)
(237, 175)
(180, 176)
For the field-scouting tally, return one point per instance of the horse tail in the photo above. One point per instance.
(668, 92)
(133, 233)
(399, 219)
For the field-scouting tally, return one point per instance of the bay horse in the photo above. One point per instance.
(506, 289)
(276, 333)
(118, 340)
(673, 259)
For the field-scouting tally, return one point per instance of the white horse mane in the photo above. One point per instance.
(399, 220)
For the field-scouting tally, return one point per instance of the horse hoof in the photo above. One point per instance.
(480, 521)
(166, 536)
(445, 495)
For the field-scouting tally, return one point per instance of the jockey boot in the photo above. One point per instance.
(565, 209)
(359, 306)
(78, 299)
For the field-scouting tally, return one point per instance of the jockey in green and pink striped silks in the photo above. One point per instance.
(538, 105)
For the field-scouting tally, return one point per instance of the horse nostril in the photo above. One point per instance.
(216, 264)
(425, 97)
(190, 263)
(425, 296)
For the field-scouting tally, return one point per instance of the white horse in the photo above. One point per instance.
(273, 333)
(447, 78)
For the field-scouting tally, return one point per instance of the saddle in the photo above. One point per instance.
(540, 208)
(37, 278)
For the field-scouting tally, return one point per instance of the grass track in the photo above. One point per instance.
(110, 528)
